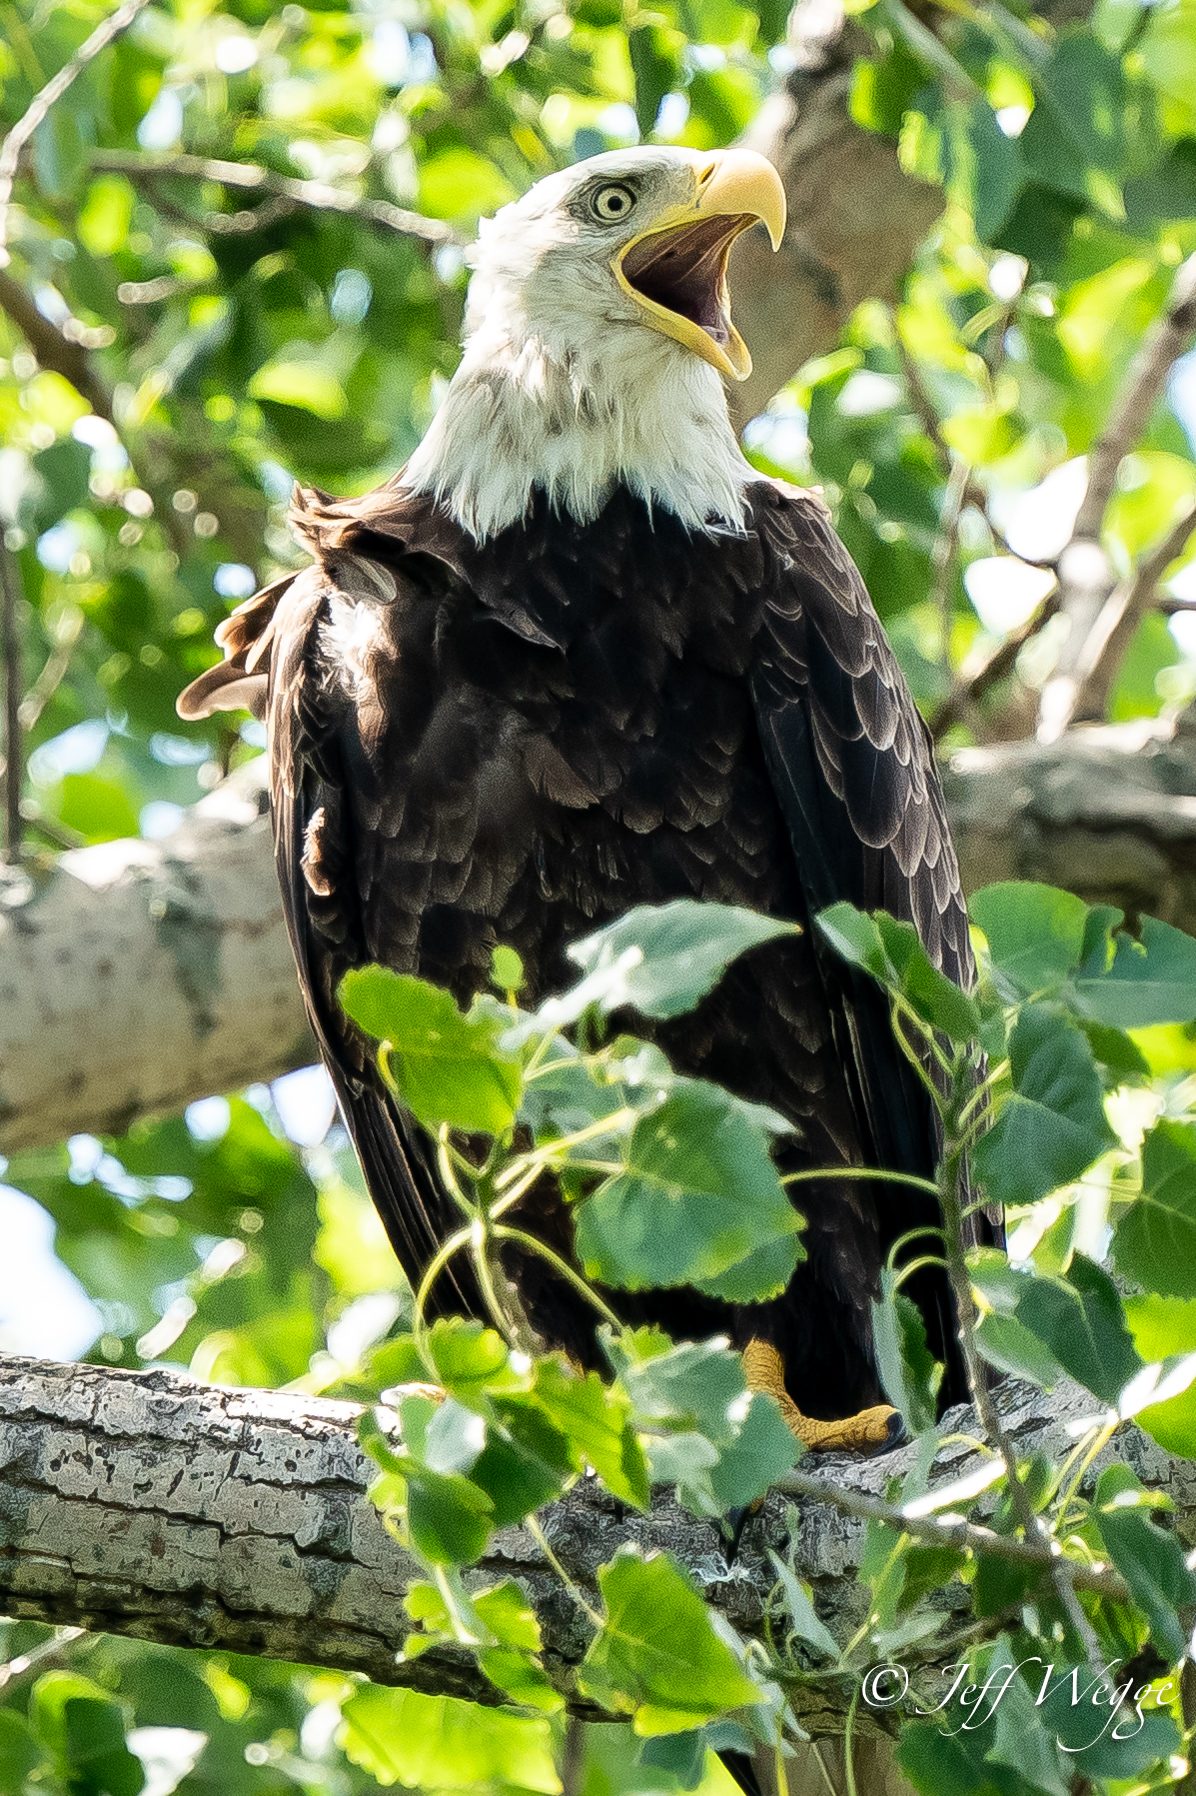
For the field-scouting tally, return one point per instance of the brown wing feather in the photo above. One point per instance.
(854, 771)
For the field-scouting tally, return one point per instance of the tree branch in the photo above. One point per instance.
(138, 975)
(249, 177)
(1085, 573)
(54, 349)
(148, 1505)
(1111, 635)
(855, 218)
(39, 108)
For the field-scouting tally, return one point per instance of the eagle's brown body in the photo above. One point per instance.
(516, 740)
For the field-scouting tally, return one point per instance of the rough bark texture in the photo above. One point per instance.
(149, 1505)
(136, 975)
(139, 975)
(855, 220)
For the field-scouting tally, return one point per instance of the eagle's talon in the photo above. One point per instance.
(873, 1430)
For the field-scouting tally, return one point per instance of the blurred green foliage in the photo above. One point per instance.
(235, 338)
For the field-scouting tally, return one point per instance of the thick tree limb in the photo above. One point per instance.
(136, 973)
(136, 976)
(855, 219)
(148, 1505)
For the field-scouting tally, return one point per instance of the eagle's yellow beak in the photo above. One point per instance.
(677, 270)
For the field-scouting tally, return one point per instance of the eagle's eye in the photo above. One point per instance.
(612, 202)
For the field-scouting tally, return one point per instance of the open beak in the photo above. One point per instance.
(677, 271)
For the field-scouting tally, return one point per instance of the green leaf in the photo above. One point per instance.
(763, 1450)
(661, 959)
(1019, 1740)
(908, 1370)
(657, 1656)
(654, 61)
(597, 1421)
(450, 1519)
(1077, 128)
(98, 807)
(447, 1067)
(996, 170)
(520, 1678)
(892, 951)
(800, 1613)
(1164, 1328)
(1151, 1561)
(699, 1194)
(1155, 1240)
(1080, 1319)
(943, 1763)
(1053, 1126)
(506, 969)
(441, 1743)
(691, 1403)
(1168, 49)
(1035, 934)
(20, 1753)
(97, 1759)
(1152, 979)
(473, 1362)
(524, 1464)
(309, 385)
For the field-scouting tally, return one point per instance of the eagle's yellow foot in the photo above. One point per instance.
(868, 1432)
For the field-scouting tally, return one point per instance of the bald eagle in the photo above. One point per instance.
(578, 655)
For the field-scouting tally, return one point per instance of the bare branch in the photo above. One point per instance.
(39, 108)
(979, 674)
(249, 177)
(1085, 573)
(54, 349)
(965, 1536)
(1145, 380)
(148, 1505)
(1111, 635)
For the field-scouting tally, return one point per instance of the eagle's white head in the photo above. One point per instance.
(598, 334)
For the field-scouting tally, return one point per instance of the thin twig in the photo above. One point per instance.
(1085, 571)
(316, 196)
(28, 1665)
(942, 558)
(976, 677)
(1145, 380)
(54, 669)
(964, 1536)
(38, 110)
(1114, 629)
(10, 653)
(964, 489)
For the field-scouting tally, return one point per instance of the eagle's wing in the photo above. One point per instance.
(852, 765)
(276, 664)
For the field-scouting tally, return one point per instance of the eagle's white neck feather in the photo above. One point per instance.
(620, 404)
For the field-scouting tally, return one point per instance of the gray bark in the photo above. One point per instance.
(148, 1505)
(136, 976)
(855, 219)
